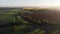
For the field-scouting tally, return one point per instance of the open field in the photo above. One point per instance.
(26, 23)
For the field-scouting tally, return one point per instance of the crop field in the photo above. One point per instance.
(17, 21)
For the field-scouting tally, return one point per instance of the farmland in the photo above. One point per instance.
(18, 21)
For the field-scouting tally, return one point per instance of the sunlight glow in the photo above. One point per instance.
(38, 3)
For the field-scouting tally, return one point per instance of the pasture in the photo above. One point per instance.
(9, 24)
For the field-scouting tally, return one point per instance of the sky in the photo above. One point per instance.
(25, 3)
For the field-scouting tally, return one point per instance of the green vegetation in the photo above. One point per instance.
(20, 22)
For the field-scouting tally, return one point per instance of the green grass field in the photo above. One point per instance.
(6, 17)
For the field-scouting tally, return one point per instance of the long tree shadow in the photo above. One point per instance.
(30, 27)
(7, 28)
(47, 27)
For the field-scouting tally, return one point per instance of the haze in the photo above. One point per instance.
(25, 3)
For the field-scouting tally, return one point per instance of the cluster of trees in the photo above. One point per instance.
(35, 24)
(26, 17)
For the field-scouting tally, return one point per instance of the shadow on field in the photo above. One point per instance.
(47, 27)
(7, 28)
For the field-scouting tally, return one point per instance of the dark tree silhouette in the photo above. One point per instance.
(33, 25)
